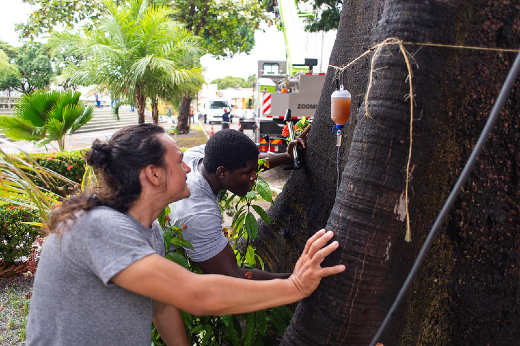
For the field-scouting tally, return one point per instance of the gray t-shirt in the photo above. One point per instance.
(199, 212)
(74, 302)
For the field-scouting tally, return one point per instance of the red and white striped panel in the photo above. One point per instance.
(266, 102)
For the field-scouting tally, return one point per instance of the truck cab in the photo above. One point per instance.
(214, 109)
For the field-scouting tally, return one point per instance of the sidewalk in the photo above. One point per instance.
(76, 141)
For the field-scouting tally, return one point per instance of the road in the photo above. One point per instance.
(217, 127)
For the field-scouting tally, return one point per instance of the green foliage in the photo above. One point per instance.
(226, 27)
(234, 82)
(18, 174)
(136, 51)
(256, 328)
(9, 73)
(46, 116)
(69, 164)
(33, 64)
(51, 13)
(16, 237)
(325, 15)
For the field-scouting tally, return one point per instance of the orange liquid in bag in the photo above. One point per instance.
(340, 109)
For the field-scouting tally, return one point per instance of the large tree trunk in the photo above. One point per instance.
(467, 291)
(184, 114)
(140, 103)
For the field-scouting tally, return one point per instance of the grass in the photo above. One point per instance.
(13, 316)
(192, 139)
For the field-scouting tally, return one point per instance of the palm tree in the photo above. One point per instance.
(44, 116)
(137, 51)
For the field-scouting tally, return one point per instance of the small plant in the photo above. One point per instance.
(299, 127)
(16, 236)
(46, 116)
(173, 130)
(69, 164)
(256, 328)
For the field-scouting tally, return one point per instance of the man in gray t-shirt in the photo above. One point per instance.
(101, 244)
(228, 161)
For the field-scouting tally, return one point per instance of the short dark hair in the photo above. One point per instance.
(118, 163)
(229, 148)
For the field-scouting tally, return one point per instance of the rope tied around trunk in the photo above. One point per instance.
(408, 57)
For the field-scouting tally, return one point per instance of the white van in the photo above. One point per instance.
(214, 110)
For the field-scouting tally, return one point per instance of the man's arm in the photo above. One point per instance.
(283, 158)
(225, 263)
(168, 321)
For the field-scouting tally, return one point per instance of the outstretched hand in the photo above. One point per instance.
(300, 140)
(308, 272)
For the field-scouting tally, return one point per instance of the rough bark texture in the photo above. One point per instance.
(184, 115)
(155, 112)
(308, 196)
(467, 291)
(140, 103)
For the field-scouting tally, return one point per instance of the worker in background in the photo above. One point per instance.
(225, 116)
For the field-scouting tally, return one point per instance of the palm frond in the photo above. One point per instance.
(18, 129)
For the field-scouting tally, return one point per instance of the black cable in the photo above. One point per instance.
(495, 112)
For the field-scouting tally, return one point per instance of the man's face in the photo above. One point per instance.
(241, 180)
(176, 171)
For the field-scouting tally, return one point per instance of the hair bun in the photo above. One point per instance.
(99, 155)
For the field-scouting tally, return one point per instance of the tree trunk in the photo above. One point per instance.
(140, 103)
(467, 291)
(155, 112)
(184, 115)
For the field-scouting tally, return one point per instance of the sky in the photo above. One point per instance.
(269, 45)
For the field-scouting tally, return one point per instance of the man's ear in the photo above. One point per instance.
(221, 172)
(153, 174)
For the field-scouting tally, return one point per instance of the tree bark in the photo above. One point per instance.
(155, 112)
(467, 291)
(140, 103)
(184, 114)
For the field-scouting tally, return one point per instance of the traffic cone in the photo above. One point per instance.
(211, 133)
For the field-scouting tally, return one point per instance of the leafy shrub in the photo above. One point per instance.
(260, 328)
(69, 164)
(16, 238)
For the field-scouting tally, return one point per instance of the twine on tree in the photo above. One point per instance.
(338, 71)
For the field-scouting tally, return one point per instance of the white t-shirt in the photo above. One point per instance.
(200, 212)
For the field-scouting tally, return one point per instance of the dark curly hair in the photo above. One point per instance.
(229, 148)
(117, 163)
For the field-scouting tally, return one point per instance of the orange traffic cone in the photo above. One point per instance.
(211, 133)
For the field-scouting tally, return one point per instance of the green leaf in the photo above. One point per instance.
(207, 335)
(260, 260)
(251, 226)
(251, 195)
(239, 221)
(179, 259)
(264, 190)
(250, 325)
(250, 255)
(261, 321)
(227, 319)
(182, 243)
(232, 335)
(260, 211)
